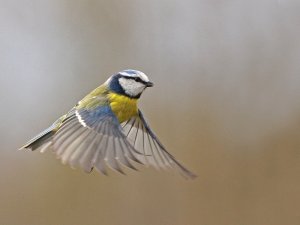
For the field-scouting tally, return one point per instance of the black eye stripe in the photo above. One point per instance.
(137, 79)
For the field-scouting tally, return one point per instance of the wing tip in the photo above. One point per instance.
(187, 174)
(190, 176)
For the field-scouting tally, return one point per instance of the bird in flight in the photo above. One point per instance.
(106, 128)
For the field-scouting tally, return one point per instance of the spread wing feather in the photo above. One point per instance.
(94, 138)
(155, 154)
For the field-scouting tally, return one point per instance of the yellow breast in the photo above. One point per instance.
(123, 107)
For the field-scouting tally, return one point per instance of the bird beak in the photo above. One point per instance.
(149, 84)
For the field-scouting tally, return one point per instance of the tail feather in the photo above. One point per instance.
(41, 139)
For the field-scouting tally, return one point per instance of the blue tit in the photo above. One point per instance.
(106, 128)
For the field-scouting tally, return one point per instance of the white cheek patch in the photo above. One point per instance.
(131, 87)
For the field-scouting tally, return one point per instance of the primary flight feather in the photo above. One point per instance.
(106, 128)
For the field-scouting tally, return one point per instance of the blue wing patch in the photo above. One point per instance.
(89, 118)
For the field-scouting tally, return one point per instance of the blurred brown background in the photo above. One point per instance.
(225, 103)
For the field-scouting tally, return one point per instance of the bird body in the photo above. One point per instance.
(106, 128)
(122, 106)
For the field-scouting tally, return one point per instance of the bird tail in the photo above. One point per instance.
(43, 140)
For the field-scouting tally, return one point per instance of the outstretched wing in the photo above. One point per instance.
(93, 138)
(154, 153)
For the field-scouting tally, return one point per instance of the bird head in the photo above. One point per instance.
(130, 83)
